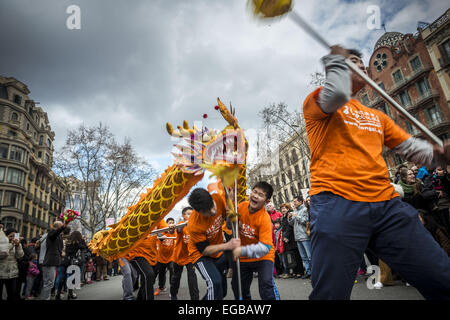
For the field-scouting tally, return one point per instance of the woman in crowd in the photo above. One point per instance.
(9, 268)
(291, 255)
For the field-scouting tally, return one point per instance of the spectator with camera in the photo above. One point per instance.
(9, 269)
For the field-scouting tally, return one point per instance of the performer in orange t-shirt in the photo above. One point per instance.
(143, 260)
(181, 258)
(353, 205)
(206, 241)
(257, 252)
(165, 246)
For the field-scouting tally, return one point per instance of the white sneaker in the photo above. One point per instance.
(378, 285)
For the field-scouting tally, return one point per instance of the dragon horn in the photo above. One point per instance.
(184, 132)
(172, 132)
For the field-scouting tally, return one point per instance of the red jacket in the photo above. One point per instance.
(274, 215)
(279, 244)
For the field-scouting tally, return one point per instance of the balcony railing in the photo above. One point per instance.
(425, 96)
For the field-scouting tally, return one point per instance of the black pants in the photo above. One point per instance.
(266, 285)
(162, 268)
(214, 272)
(10, 285)
(145, 270)
(191, 277)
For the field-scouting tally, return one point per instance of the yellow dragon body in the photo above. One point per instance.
(223, 154)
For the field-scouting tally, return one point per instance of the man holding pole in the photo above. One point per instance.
(353, 204)
(206, 243)
(257, 252)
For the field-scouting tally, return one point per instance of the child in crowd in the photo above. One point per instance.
(89, 269)
(279, 247)
(32, 273)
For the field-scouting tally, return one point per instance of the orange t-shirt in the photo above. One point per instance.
(203, 228)
(181, 252)
(253, 228)
(165, 248)
(346, 150)
(147, 249)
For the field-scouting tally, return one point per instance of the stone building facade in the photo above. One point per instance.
(30, 195)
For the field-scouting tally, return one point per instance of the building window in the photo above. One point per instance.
(385, 108)
(423, 87)
(47, 159)
(365, 100)
(445, 52)
(416, 65)
(39, 154)
(17, 99)
(405, 99)
(2, 173)
(12, 133)
(4, 150)
(17, 153)
(13, 199)
(397, 75)
(293, 191)
(41, 140)
(14, 176)
(433, 115)
(410, 128)
(49, 143)
(286, 194)
(14, 116)
(10, 222)
(381, 61)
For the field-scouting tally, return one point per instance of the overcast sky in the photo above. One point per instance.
(134, 65)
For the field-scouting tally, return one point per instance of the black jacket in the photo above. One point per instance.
(54, 248)
(74, 251)
(288, 232)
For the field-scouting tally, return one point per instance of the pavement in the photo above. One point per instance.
(289, 289)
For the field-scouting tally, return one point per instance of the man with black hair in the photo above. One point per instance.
(257, 251)
(298, 220)
(353, 204)
(206, 242)
(181, 259)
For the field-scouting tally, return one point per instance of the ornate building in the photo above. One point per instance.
(30, 194)
(401, 64)
(286, 169)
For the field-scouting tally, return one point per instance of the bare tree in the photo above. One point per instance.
(106, 175)
(282, 124)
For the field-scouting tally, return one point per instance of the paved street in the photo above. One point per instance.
(289, 289)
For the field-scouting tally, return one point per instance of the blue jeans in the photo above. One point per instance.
(283, 262)
(60, 278)
(266, 285)
(304, 248)
(341, 230)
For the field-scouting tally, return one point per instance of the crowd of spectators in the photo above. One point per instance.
(38, 269)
